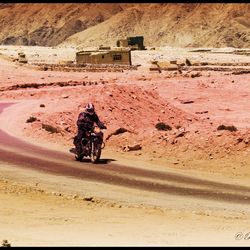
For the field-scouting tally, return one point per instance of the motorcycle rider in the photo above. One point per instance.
(85, 123)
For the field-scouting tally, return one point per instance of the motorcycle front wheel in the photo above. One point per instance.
(95, 152)
(79, 157)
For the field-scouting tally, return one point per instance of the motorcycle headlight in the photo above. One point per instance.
(97, 130)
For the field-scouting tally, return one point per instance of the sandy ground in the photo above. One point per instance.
(32, 217)
(38, 209)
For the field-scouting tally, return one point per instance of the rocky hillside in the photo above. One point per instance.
(170, 24)
(50, 24)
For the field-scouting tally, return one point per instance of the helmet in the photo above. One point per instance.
(90, 108)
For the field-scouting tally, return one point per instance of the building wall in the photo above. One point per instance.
(122, 43)
(82, 58)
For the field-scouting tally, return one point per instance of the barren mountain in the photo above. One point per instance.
(171, 24)
(49, 24)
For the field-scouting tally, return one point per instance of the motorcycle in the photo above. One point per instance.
(92, 145)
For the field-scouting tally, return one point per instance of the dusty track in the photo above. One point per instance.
(22, 154)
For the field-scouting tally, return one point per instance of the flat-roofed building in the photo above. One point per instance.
(104, 56)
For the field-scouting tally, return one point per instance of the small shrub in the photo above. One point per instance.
(62, 84)
(188, 63)
(120, 131)
(230, 128)
(50, 128)
(162, 126)
(5, 243)
(117, 132)
(31, 119)
(42, 105)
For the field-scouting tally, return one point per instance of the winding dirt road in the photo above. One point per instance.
(25, 155)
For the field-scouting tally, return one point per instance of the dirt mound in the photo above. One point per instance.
(135, 118)
(194, 25)
(130, 107)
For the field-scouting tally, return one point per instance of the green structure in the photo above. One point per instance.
(136, 41)
(133, 42)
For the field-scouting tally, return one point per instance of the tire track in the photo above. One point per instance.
(156, 181)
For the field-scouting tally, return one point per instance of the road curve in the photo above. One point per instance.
(26, 155)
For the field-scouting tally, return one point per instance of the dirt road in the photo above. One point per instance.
(20, 153)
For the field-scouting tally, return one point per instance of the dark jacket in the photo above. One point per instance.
(86, 121)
